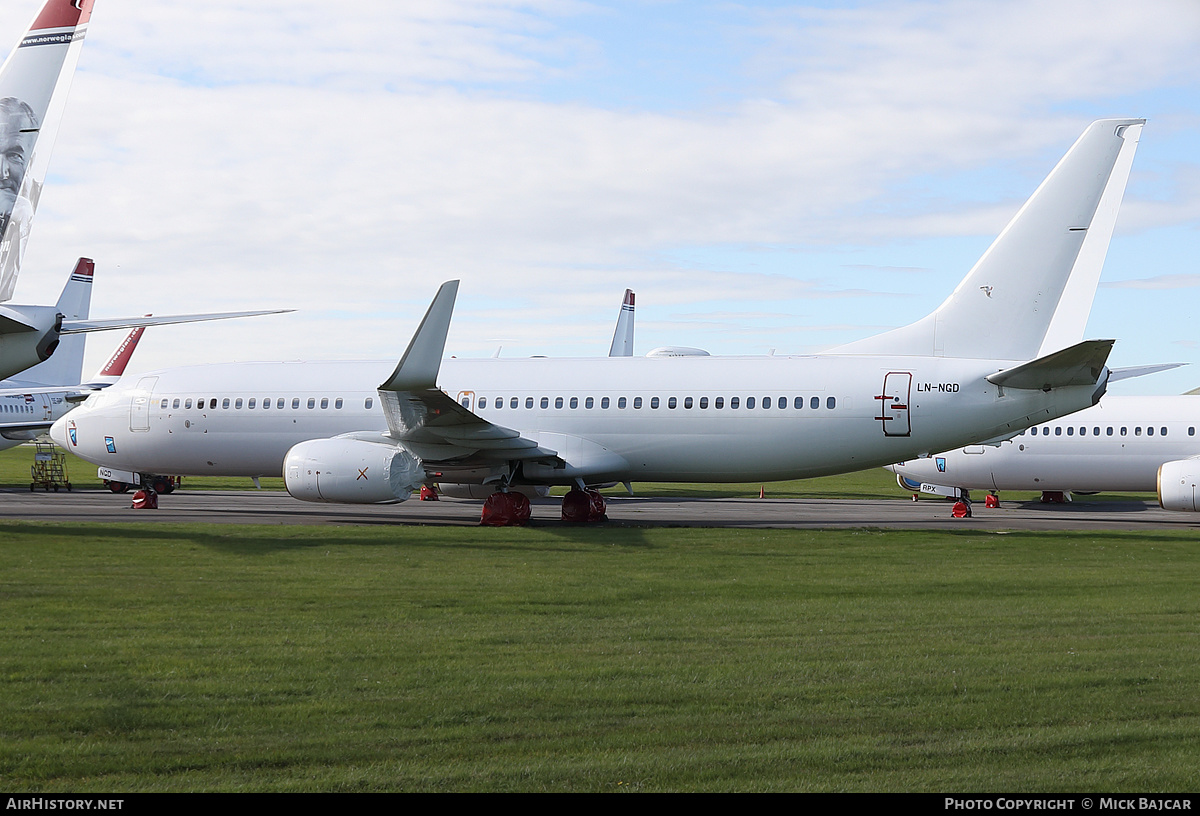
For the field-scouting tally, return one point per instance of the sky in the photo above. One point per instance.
(764, 175)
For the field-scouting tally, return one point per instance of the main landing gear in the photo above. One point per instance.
(511, 509)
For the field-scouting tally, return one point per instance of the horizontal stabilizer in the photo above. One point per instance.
(1080, 364)
(78, 326)
(1129, 372)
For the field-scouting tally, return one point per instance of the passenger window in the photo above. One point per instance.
(337, 404)
(604, 403)
(733, 403)
(798, 402)
(719, 402)
(482, 402)
(1058, 431)
(213, 403)
(1123, 431)
(253, 403)
(1108, 430)
(703, 402)
(621, 402)
(749, 403)
(1162, 431)
(529, 402)
(637, 402)
(279, 403)
(654, 402)
(163, 404)
(513, 403)
(814, 403)
(1070, 431)
(545, 402)
(1137, 431)
(558, 402)
(589, 403)
(671, 403)
(175, 403)
(766, 402)
(1150, 431)
(574, 402)
(238, 403)
(324, 403)
(831, 403)
(1095, 431)
(783, 402)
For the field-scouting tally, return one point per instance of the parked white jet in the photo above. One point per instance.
(1122, 444)
(30, 404)
(965, 372)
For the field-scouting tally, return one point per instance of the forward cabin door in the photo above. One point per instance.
(139, 406)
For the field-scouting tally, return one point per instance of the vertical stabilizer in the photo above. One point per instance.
(622, 342)
(1006, 305)
(65, 366)
(33, 93)
(111, 371)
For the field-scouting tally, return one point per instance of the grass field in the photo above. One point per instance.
(406, 658)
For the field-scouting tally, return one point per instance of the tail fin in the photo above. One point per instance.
(1007, 304)
(33, 94)
(622, 342)
(111, 371)
(65, 366)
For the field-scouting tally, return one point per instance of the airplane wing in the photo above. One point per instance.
(435, 428)
(77, 326)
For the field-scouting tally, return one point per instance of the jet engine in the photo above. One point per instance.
(1177, 485)
(351, 471)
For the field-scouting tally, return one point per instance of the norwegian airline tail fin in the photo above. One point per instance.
(622, 342)
(111, 371)
(33, 94)
(1023, 295)
(65, 366)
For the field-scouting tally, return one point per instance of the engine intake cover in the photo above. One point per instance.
(351, 471)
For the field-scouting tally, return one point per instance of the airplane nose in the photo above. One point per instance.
(58, 432)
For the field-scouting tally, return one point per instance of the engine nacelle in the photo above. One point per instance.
(1179, 485)
(351, 471)
(21, 349)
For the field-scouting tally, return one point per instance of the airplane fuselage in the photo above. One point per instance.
(610, 419)
(1119, 445)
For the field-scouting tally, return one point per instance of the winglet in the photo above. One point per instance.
(1080, 364)
(418, 368)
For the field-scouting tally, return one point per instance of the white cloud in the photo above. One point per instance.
(234, 155)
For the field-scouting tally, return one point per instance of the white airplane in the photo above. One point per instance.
(976, 368)
(34, 81)
(1123, 444)
(30, 404)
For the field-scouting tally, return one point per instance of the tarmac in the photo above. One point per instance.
(889, 513)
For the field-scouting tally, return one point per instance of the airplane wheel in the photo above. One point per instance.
(118, 487)
(160, 485)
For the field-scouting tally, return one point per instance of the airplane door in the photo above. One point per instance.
(467, 400)
(893, 403)
(139, 405)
